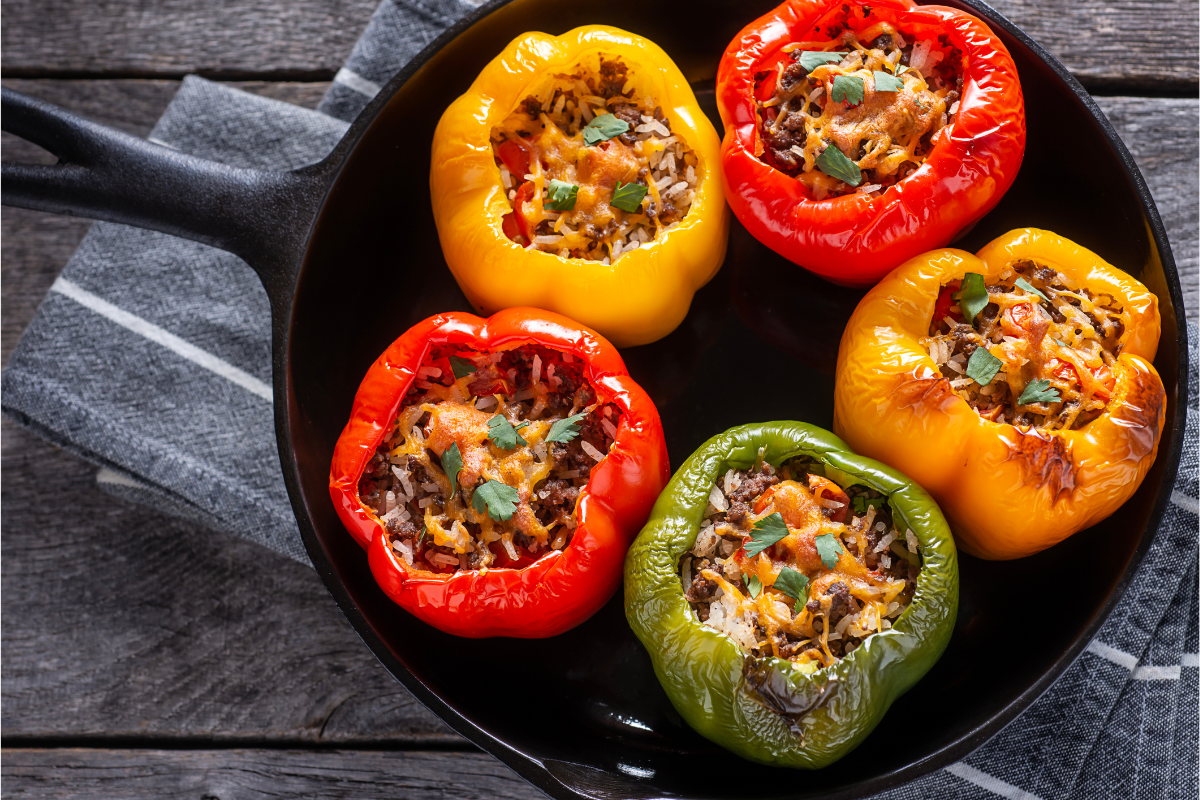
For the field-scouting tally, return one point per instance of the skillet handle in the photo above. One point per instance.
(263, 217)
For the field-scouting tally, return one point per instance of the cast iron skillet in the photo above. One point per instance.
(582, 715)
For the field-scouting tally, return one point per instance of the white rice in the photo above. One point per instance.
(591, 451)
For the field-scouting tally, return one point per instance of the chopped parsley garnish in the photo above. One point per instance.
(452, 464)
(504, 433)
(565, 429)
(767, 531)
(860, 504)
(1061, 343)
(847, 89)
(1038, 391)
(833, 162)
(811, 59)
(828, 548)
(560, 195)
(462, 367)
(794, 584)
(887, 83)
(982, 366)
(424, 532)
(628, 196)
(1029, 287)
(603, 128)
(972, 297)
(754, 585)
(500, 500)
(901, 69)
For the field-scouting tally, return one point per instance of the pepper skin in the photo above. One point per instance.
(703, 671)
(856, 239)
(1007, 492)
(562, 588)
(646, 293)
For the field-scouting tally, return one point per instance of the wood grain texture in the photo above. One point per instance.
(1161, 134)
(67, 774)
(121, 623)
(311, 38)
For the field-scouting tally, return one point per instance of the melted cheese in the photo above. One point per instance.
(455, 420)
(805, 519)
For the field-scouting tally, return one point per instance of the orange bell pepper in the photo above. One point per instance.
(1007, 491)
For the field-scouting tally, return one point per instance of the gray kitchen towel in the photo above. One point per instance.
(150, 356)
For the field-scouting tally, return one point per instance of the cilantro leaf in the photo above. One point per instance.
(794, 584)
(754, 585)
(462, 367)
(901, 69)
(628, 196)
(424, 532)
(1029, 287)
(972, 297)
(565, 429)
(833, 162)
(811, 59)
(560, 195)
(767, 531)
(499, 499)
(860, 504)
(847, 89)
(982, 366)
(452, 464)
(887, 83)
(502, 432)
(603, 128)
(1038, 391)
(1061, 343)
(828, 548)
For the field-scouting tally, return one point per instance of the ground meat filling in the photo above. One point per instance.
(1055, 345)
(742, 596)
(526, 419)
(567, 195)
(887, 133)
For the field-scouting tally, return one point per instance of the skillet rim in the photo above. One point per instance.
(531, 768)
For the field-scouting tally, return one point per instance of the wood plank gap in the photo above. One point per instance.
(446, 744)
(289, 75)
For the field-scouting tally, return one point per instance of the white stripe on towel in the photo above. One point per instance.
(985, 781)
(1118, 657)
(356, 82)
(158, 335)
(1183, 501)
(1169, 673)
(1189, 660)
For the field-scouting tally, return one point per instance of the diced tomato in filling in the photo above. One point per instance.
(515, 223)
(945, 300)
(514, 154)
(825, 489)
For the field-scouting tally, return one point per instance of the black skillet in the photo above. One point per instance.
(582, 715)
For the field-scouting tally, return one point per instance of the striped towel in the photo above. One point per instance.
(151, 357)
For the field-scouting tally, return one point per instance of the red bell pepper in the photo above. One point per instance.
(561, 588)
(855, 239)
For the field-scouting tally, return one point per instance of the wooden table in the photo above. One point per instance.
(148, 657)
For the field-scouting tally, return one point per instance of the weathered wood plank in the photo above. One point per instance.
(1161, 135)
(120, 622)
(248, 774)
(1115, 44)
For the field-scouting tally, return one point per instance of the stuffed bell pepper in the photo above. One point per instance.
(859, 134)
(788, 591)
(578, 174)
(1015, 386)
(496, 471)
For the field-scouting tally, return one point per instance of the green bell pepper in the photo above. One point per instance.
(767, 709)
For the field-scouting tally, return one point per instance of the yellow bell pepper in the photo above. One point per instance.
(645, 293)
(1007, 491)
